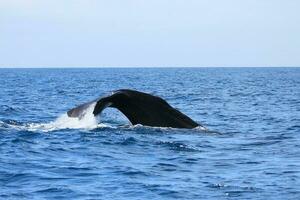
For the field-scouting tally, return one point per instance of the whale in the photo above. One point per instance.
(140, 108)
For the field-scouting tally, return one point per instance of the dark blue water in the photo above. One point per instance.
(254, 155)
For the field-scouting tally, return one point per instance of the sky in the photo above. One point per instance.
(149, 33)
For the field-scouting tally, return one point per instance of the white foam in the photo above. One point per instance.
(87, 121)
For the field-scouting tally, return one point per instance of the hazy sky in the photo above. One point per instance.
(70, 33)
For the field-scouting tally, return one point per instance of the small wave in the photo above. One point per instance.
(178, 146)
(128, 141)
(199, 129)
(10, 124)
(5, 109)
(234, 190)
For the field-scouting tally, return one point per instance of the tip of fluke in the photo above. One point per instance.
(69, 113)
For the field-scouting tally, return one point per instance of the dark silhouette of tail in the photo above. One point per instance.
(139, 108)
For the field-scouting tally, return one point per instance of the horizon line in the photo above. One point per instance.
(116, 67)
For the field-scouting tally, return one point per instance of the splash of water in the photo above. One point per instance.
(87, 121)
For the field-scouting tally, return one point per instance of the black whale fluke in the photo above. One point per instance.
(139, 108)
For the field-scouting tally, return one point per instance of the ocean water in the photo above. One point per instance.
(251, 151)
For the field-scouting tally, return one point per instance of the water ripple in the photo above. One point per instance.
(46, 155)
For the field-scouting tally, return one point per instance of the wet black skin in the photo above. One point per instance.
(139, 108)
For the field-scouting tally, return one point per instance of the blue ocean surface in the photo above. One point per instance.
(251, 151)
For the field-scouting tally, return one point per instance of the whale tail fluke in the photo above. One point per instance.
(139, 108)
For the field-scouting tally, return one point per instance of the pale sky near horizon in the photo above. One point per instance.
(149, 33)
